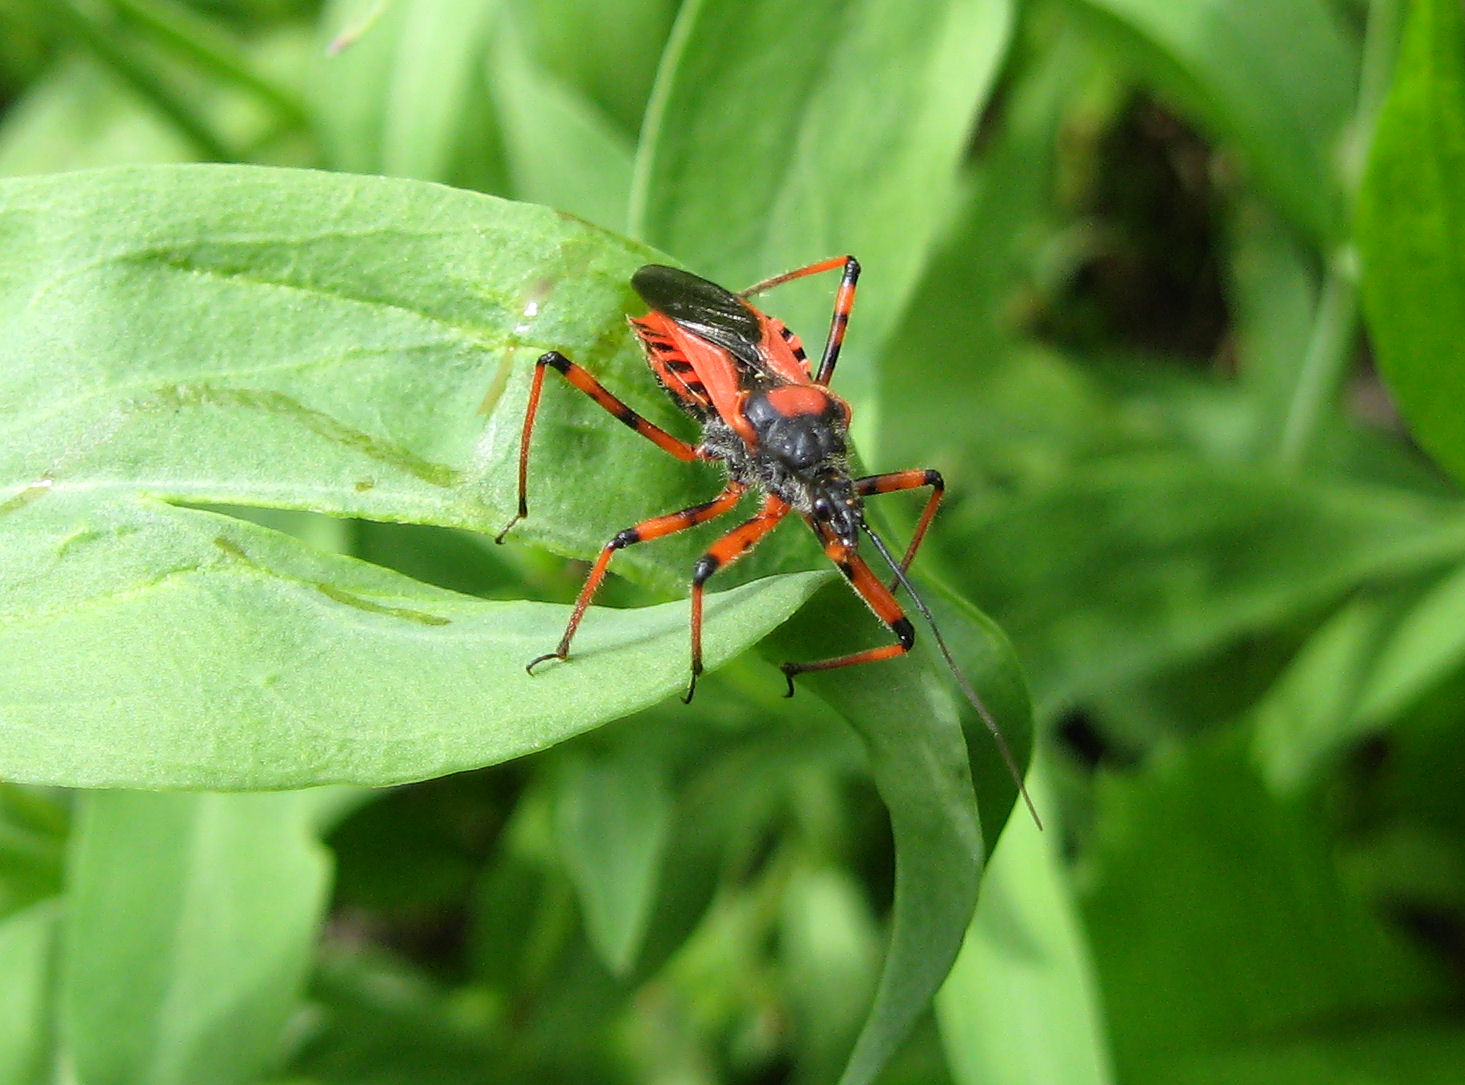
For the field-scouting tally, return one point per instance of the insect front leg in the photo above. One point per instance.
(582, 380)
(907, 480)
(880, 600)
(655, 528)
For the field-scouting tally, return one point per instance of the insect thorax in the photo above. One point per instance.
(765, 473)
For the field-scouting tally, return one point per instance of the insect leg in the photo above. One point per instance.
(844, 301)
(907, 480)
(655, 528)
(582, 380)
(720, 554)
(880, 600)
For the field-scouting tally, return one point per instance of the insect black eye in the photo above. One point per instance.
(823, 508)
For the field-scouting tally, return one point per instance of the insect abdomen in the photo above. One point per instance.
(673, 371)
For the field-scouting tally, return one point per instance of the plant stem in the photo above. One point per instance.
(1335, 324)
(1329, 350)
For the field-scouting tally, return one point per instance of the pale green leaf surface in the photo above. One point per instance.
(1411, 232)
(191, 922)
(304, 340)
(188, 649)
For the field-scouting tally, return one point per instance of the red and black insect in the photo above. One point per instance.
(778, 430)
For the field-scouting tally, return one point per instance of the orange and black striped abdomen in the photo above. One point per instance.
(704, 378)
(673, 369)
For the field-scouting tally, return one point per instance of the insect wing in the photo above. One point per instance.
(703, 308)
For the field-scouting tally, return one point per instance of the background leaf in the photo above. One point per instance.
(188, 933)
(27, 945)
(1023, 966)
(837, 151)
(1411, 230)
(1235, 62)
(906, 712)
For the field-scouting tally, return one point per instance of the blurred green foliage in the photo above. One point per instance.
(1169, 290)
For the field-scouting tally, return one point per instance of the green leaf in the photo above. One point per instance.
(27, 941)
(1022, 1003)
(402, 90)
(190, 924)
(559, 149)
(355, 346)
(186, 649)
(1196, 862)
(1411, 231)
(779, 134)
(1372, 660)
(612, 820)
(1146, 562)
(1275, 76)
(927, 750)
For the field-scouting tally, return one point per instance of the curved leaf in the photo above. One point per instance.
(1411, 231)
(779, 134)
(926, 749)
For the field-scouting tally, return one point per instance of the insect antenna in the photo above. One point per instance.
(961, 679)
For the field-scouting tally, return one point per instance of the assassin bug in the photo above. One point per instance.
(777, 429)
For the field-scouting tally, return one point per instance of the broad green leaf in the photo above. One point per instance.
(612, 819)
(191, 922)
(186, 649)
(27, 941)
(780, 134)
(1196, 862)
(1021, 1004)
(1143, 563)
(927, 750)
(1411, 231)
(355, 346)
(1277, 77)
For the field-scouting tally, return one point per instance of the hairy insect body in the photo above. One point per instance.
(777, 429)
(772, 427)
